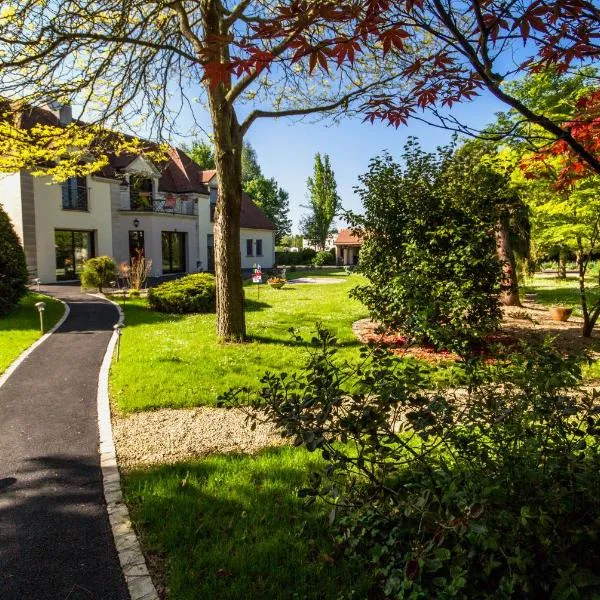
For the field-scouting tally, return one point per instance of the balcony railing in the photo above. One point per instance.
(158, 203)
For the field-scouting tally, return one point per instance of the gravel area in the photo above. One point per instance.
(167, 436)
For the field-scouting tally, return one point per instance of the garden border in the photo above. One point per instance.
(17, 362)
(131, 558)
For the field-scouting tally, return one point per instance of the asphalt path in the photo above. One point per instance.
(55, 537)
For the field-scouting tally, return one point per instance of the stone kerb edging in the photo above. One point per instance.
(17, 362)
(131, 558)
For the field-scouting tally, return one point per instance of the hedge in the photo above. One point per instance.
(190, 294)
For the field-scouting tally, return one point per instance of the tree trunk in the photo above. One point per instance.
(562, 264)
(510, 284)
(231, 322)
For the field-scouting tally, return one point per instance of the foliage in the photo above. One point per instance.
(291, 241)
(190, 294)
(484, 492)
(304, 257)
(250, 168)
(203, 154)
(478, 177)
(324, 203)
(559, 187)
(431, 263)
(21, 327)
(98, 272)
(274, 201)
(324, 257)
(13, 267)
(136, 273)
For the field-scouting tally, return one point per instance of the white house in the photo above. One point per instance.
(166, 210)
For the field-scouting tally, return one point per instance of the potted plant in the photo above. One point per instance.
(276, 282)
(560, 312)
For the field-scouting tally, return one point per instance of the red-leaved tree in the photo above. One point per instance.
(254, 59)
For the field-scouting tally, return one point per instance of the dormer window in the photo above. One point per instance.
(140, 191)
(75, 194)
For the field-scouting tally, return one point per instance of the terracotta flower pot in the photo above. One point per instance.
(560, 313)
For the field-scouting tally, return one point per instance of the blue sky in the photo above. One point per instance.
(286, 148)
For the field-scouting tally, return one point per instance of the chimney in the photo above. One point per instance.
(63, 112)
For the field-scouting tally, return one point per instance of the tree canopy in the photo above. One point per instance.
(324, 202)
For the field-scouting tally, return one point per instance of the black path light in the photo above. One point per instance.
(41, 306)
(118, 327)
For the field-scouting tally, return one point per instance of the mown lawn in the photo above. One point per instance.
(176, 361)
(21, 327)
(551, 290)
(233, 527)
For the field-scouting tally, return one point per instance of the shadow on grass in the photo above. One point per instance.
(232, 526)
(137, 313)
(251, 305)
(290, 341)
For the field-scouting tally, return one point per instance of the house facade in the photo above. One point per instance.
(166, 211)
(347, 247)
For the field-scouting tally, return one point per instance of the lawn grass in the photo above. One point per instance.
(551, 290)
(232, 527)
(176, 360)
(21, 327)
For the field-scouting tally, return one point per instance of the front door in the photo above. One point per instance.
(72, 249)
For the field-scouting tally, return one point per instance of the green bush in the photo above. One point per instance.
(489, 492)
(431, 264)
(303, 257)
(98, 272)
(13, 267)
(324, 257)
(190, 294)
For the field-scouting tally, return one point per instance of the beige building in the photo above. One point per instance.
(164, 210)
(347, 247)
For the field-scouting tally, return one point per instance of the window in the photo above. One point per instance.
(259, 248)
(210, 246)
(249, 248)
(75, 194)
(173, 252)
(136, 243)
(140, 193)
(72, 248)
(213, 203)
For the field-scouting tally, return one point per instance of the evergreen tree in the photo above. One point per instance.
(324, 203)
(250, 167)
(13, 267)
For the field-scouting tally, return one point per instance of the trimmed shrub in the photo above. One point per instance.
(13, 267)
(98, 272)
(304, 257)
(324, 257)
(190, 294)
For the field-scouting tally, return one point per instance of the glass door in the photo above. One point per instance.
(72, 249)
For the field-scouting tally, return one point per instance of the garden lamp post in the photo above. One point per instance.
(41, 306)
(118, 327)
(37, 282)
